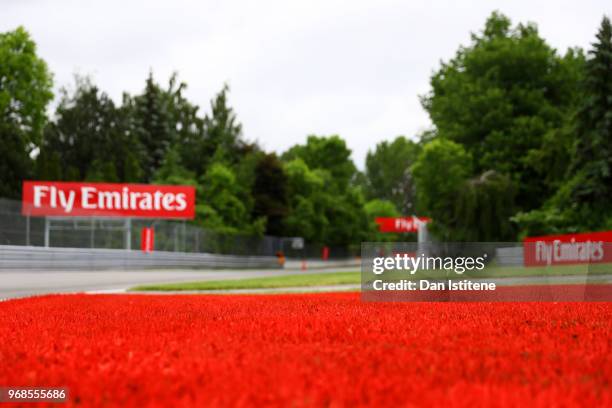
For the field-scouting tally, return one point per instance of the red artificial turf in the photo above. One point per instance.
(307, 350)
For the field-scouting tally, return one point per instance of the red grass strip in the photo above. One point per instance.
(307, 350)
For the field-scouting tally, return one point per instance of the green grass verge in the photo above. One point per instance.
(284, 281)
(558, 270)
(340, 278)
(496, 271)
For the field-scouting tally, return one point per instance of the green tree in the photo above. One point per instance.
(220, 207)
(380, 208)
(462, 207)
(583, 201)
(440, 172)
(48, 165)
(348, 221)
(306, 201)
(153, 124)
(592, 160)
(172, 171)
(102, 171)
(223, 133)
(388, 173)
(89, 139)
(321, 175)
(328, 153)
(163, 119)
(189, 127)
(321, 212)
(483, 209)
(500, 97)
(270, 193)
(25, 91)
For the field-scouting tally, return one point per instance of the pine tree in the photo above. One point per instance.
(153, 126)
(88, 140)
(223, 132)
(583, 201)
(593, 156)
(173, 172)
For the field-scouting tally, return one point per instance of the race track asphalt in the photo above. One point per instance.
(15, 284)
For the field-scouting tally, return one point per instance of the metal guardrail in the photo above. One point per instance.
(512, 256)
(41, 258)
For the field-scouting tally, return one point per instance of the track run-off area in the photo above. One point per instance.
(307, 350)
(138, 349)
(23, 283)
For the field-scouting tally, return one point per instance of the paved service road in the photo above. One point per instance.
(28, 283)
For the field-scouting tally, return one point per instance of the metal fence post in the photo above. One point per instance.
(128, 234)
(176, 242)
(46, 232)
(92, 233)
(184, 243)
(28, 230)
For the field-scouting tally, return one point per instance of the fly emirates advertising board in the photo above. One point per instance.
(49, 198)
(567, 249)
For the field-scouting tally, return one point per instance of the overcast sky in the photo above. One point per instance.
(353, 68)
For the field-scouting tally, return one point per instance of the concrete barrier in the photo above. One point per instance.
(316, 264)
(511, 256)
(41, 258)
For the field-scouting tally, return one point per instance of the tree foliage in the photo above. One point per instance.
(440, 173)
(483, 209)
(220, 207)
(501, 97)
(153, 124)
(592, 159)
(25, 91)
(305, 191)
(388, 173)
(324, 205)
(582, 201)
(173, 172)
(270, 193)
(328, 153)
(380, 208)
(521, 137)
(91, 139)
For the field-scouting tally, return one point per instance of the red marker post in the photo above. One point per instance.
(147, 239)
(325, 254)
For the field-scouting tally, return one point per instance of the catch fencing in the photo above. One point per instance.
(117, 233)
(169, 236)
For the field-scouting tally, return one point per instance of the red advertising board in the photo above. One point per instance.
(589, 247)
(400, 224)
(50, 198)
